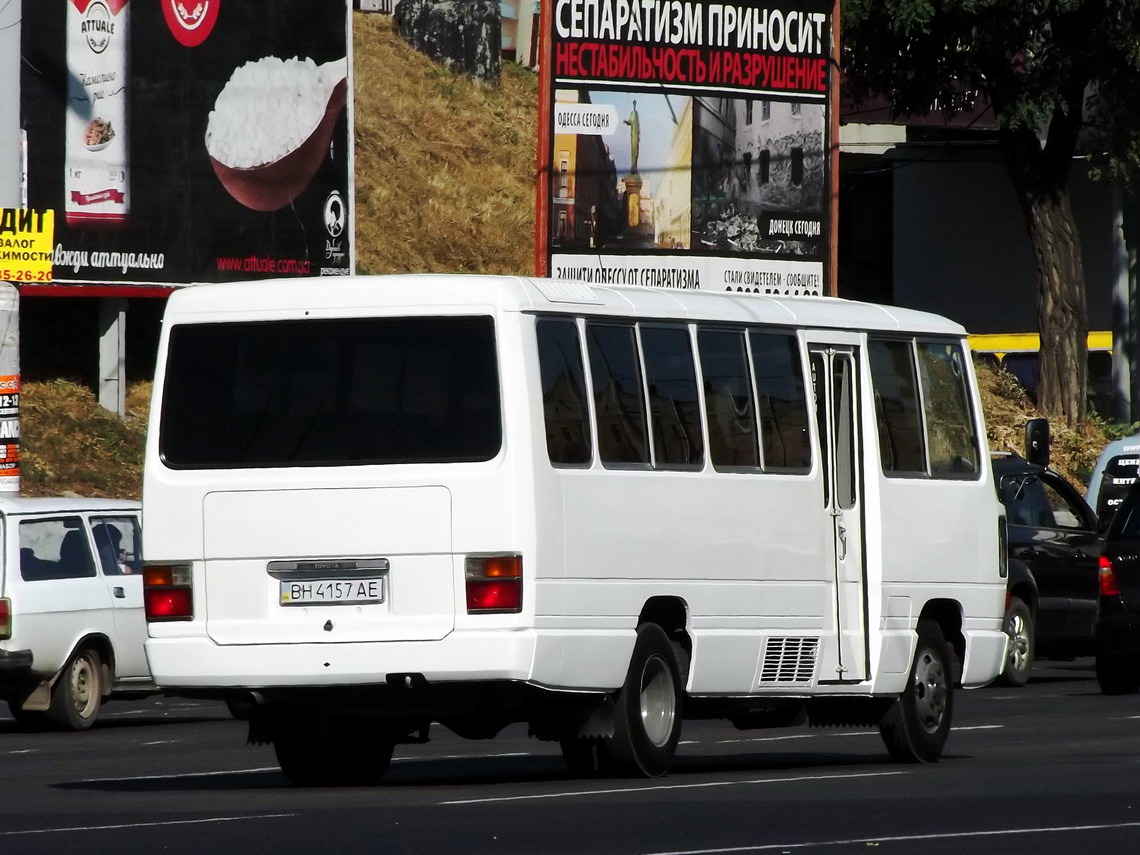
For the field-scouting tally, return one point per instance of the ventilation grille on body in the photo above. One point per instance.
(789, 660)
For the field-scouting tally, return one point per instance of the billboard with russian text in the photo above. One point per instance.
(687, 144)
(181, 142)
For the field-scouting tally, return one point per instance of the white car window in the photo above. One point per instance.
(117, 543)
(54, 549)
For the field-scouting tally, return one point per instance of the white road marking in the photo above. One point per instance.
(463, 757)
(768, 738)
(145, 824)
(182, 775)
(569, 794)
(980, 727)
(905, 838)
(832, 733)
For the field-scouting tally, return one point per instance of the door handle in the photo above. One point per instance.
(119, 592)
(842, 543)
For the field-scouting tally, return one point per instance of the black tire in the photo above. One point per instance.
(1117, 675)
(330, 752)
(1020, 629)
(917, 724)
(77, 694)
(647, 711)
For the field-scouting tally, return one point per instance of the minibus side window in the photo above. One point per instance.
(728, 398)
(901, 444)
(951, 438)
(619, 399)
(674, 408)
(782, 402)
(564, 406)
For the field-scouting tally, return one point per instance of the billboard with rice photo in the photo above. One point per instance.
(182, 142)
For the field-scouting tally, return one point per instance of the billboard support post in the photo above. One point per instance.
(833, 157)
(543, 160)
(112, 355)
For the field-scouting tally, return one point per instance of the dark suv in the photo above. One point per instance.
(1054, 547)
(1118, 621)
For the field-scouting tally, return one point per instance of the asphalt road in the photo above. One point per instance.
(1050, 768)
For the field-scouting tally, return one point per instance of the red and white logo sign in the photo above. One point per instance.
(190, 20)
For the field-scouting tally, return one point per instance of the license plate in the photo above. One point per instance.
(332, 592)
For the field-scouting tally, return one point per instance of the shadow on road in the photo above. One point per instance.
(145, 720)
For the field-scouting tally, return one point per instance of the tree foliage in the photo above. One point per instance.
(1062, 78)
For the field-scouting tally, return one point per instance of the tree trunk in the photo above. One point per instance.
(1040, 177)
(1062, 316)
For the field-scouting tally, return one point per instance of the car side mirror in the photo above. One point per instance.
(1037, 441)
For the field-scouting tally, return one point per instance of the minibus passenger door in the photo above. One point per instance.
(835, 381)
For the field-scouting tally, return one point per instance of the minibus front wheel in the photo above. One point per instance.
(917, 724)
(647, 713)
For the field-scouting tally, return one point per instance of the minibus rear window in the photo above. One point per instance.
(331, 392)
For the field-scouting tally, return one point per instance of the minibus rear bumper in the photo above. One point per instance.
(197, 662)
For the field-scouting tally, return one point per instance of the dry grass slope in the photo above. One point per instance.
(444, 165)
(444, 183)
(1007, 408)
(71, 445)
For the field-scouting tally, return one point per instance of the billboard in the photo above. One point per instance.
(180, 142)
(685, 144)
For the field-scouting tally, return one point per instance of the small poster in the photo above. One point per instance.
(26, 245)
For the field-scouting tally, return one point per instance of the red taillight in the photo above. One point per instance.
(1109, 587)
(169, 604)
(5, 618)
(494, 583)
(494, 596)
(167, 592)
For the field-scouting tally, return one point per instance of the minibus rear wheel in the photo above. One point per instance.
(917, 724)
(326, 751)
(647, 713)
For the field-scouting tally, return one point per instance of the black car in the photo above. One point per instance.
(1118, 619)
(1054, 548)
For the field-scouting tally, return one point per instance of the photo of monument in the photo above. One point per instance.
(628, 188)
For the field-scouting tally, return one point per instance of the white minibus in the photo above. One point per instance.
(376, 504)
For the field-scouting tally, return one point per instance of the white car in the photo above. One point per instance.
(71, 608)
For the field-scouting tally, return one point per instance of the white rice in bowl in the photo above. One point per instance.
(267, 108)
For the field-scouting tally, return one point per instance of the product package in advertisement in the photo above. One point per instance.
(96, 148)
